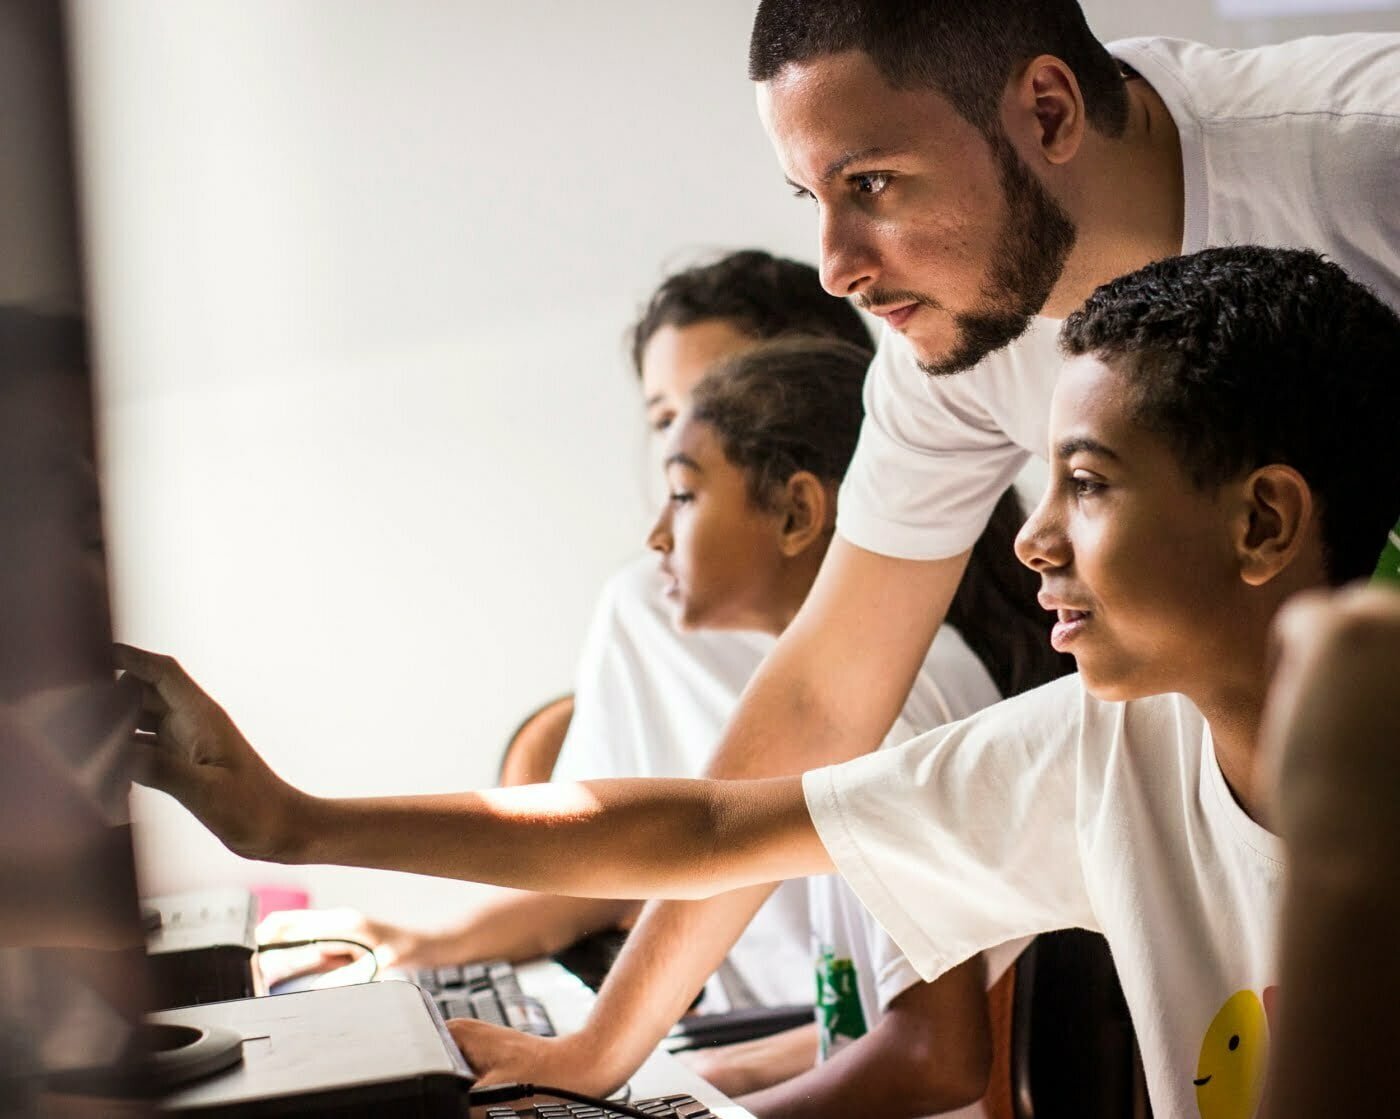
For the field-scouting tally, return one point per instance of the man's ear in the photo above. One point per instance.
(808, 510)
(1043, 111)
(1278, 522)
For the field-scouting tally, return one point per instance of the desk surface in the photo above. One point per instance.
(569, 1001)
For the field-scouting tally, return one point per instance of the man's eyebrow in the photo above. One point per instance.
(1084, 443)
(680, 458)
(836, 166)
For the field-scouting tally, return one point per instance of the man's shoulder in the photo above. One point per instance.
(1327, 76)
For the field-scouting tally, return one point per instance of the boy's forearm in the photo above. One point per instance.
(745, 1067)
(602, 839)
(910, 1064)
(520, 926)
(674, 948)
(620, 839)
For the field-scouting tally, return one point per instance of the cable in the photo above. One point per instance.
(360, 944)
(509, 1093)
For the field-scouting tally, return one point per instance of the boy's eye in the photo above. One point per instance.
(1085, 487)
(803, 192)
(680, 497)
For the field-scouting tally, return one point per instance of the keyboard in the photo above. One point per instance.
(489, 992)
(663, 1107)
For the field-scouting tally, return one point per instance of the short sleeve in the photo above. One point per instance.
(965, 838)
(935, 453)
(890, 968)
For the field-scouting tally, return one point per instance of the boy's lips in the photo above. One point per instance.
(1070, 625)
(1071, 621)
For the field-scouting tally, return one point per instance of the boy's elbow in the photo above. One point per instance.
(939, 1076)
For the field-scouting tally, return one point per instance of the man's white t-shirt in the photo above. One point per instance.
(1056, 810)
(859, 969)
(1293, 145)
(651, 701)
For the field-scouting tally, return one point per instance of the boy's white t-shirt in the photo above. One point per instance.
(650, 701)
(1056, 810)
(859, 969)
(1291, 145)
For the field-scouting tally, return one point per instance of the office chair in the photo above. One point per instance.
(533, 748)
(1074, 1054)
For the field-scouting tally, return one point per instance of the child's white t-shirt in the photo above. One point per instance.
(1291, 145)
(1056, 810)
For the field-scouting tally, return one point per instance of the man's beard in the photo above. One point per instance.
(1030, 254)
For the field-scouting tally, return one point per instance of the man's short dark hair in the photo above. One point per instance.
(967, 50)
(762, 295)
(1241, 357)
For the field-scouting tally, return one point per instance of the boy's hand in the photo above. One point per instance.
(503, 1056)
(392, 945)
(187, 746)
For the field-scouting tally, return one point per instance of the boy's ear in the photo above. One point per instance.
(808, 510)
(1278, 522)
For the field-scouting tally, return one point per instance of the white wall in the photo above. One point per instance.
(362, 271)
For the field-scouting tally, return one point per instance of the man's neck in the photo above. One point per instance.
(1127, 199)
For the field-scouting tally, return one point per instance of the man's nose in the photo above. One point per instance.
(848, 262)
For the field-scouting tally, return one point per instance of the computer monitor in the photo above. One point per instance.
(72, 976)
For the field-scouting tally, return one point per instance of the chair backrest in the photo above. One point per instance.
(533, 749)
(1074, 1054)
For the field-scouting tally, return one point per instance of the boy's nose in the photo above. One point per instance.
(659, 539)
(1041, 545)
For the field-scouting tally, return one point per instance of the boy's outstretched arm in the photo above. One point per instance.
(623, 839)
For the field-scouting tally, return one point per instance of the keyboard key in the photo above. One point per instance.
(486, 1008)
(449, 976)
(527, 1015)
(474, 975)
(456, 1006)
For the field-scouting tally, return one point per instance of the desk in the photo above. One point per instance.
(569, 1002)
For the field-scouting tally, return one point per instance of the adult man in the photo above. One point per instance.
(975, 166)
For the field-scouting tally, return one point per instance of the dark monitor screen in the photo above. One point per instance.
(72, 975)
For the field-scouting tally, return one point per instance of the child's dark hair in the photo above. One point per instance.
(794, 405)
(764, 296)
(1240, 357)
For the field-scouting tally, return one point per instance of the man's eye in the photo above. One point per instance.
(872, 183)
(1085, 487)
(680, 497)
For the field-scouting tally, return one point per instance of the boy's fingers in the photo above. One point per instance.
(168, 683)
(161, 769)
